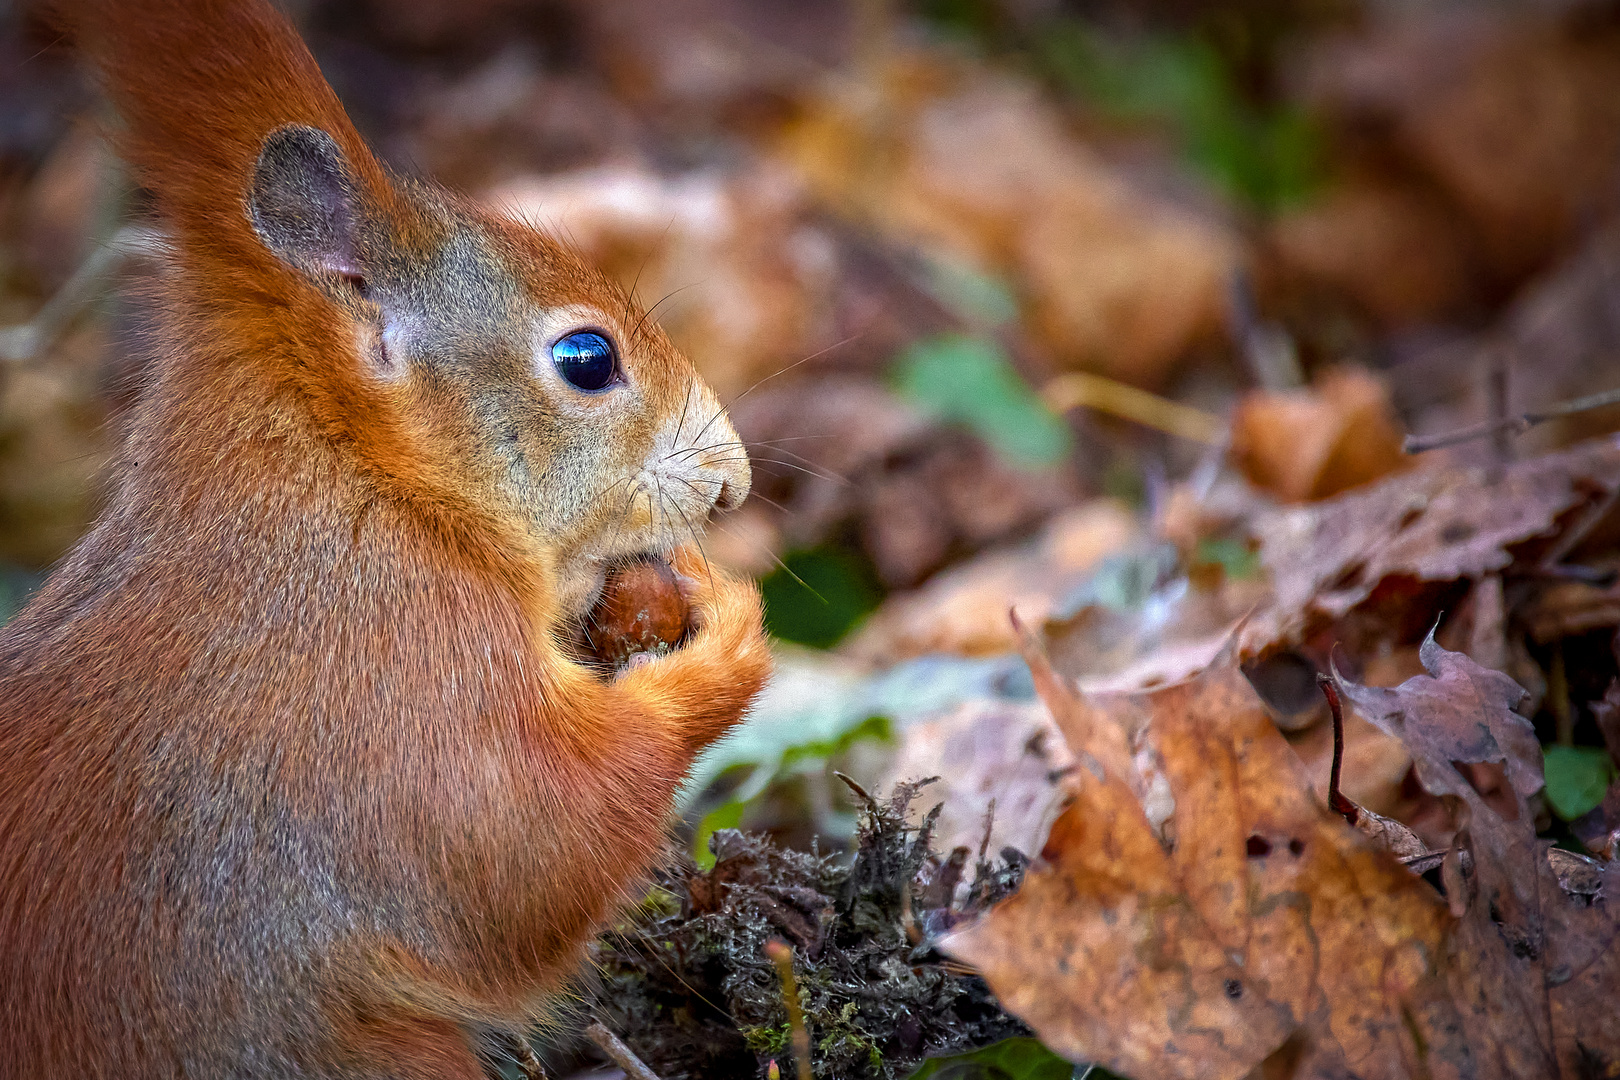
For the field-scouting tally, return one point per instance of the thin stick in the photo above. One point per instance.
(1497, 394)
(781, 954)
(523, 1054)
(625, 1058)
(28, 341)
(1076, 388)
(1512, 425)
(1347, 809)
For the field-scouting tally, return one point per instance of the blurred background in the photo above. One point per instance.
(1044, 303)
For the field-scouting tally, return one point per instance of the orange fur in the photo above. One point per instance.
(295, 779)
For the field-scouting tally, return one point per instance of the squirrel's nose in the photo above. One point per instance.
(731, 494)
(729, 464)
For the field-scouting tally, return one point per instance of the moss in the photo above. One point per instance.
(688, 984)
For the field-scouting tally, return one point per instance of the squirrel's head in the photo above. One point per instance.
(515, 376)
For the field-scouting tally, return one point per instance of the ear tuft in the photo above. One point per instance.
(304, 202)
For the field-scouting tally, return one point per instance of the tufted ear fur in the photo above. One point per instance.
(305, 203)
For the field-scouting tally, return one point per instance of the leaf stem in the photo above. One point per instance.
(1343, 806)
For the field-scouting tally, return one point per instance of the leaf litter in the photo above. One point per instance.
(1197, 909)
(1253, 927)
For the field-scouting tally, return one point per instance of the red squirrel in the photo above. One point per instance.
(298, 777)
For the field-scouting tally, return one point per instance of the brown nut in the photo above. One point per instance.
(641, 610)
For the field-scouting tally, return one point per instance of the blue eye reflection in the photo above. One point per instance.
(585, 361)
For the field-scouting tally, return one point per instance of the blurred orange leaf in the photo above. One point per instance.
(1313, 443)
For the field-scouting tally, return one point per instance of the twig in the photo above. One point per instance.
(1269, 350)
(523, 1054)
(1497, 394)
(1345, 808)
(625, 1058)
(1575, 534)
(27, 341)
(781, 954)
(1511, 425)
(1075, 388)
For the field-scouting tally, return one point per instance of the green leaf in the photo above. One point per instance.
(971, 381)
(1010, 1059)
(818, 596)
(1236, 558)
(1269, 155)
(728, 815)
(1577, 777)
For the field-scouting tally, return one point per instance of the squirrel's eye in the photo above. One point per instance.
(585, 360)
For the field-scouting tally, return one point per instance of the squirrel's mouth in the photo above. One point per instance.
(642, 606)
(581, 586)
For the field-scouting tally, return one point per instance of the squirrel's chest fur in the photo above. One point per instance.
(274, 765)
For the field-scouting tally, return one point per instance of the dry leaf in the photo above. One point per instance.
(1252, 921)
(1511, 117)
(987, 752)
(1314, 443)
(1458, 712)
(1432, 526)
(1534, 970)
(964, 609)
(1258, 916)
(1395, 250)
(978, 169)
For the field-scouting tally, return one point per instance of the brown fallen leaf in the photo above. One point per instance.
(941, 154)
(1512, 115)
(1396, 251)
(1253, 926)
(1564, 609)
(996, 760)
(1253, 918)
(963, 610)
(1458, 712)
(1416, 530)
(1535, 959)
(1313, 443)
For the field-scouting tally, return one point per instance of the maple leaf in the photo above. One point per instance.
(1459, 712)
(1254, 926)
(1537, 970)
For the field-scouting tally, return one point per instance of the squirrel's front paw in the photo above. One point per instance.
(721, 606)
(724, 662)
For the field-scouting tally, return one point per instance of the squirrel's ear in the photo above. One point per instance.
(304, 201)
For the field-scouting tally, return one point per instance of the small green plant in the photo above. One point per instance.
(1577, 777)
(971, 381)
(1265, 155)
(777, 764)
(818, 596)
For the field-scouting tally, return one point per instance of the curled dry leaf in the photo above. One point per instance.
(1313, 443)
(1534, 960)
(1429, 526)
(1253, 926)
(1458, 712)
